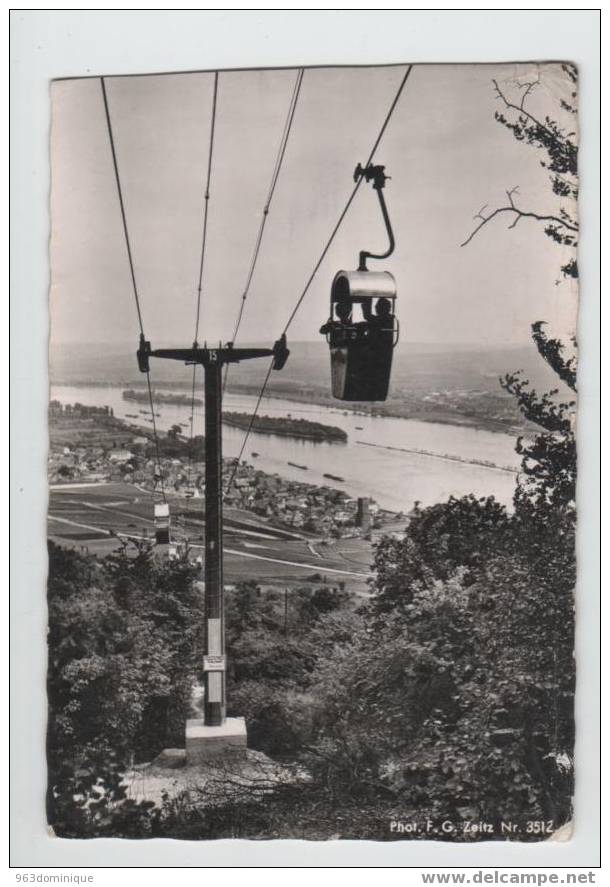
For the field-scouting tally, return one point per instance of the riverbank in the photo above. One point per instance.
(417, 451)
(394, 409)
(394, 479)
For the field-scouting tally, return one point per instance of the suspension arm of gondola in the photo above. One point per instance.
(379, 178)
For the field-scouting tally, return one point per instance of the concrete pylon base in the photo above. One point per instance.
(205, 744)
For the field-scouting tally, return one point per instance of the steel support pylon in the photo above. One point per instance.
(212, 360)
(215, 704)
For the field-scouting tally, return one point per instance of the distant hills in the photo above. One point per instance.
(454, 384)
(420, 367)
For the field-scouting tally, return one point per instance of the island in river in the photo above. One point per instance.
(287, 427)
(282, 425)
(158, 397)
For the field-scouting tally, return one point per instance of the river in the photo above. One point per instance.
(395, 479)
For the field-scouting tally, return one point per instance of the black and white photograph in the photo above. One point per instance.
(312, 453)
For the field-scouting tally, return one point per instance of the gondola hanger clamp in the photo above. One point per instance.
(377, 175)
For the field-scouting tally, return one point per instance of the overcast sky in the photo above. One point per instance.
(446, 154)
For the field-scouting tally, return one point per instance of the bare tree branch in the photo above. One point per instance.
(519, 214)
(521, 110)
(528, 87)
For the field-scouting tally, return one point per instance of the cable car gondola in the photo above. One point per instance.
(162, 523)
(361, 349)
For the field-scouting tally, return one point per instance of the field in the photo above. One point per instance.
(99, 517)
(92, 432)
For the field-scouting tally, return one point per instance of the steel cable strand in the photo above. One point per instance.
(201, 268)
(206, 204)
(266, 207)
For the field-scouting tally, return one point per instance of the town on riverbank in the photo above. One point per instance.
(90, 445)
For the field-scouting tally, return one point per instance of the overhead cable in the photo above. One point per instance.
(206, 199)
(133, 276)
(206, 203)
(266, 207)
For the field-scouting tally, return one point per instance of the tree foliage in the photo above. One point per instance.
(457, 699)
(548, 466)
(124, 647)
